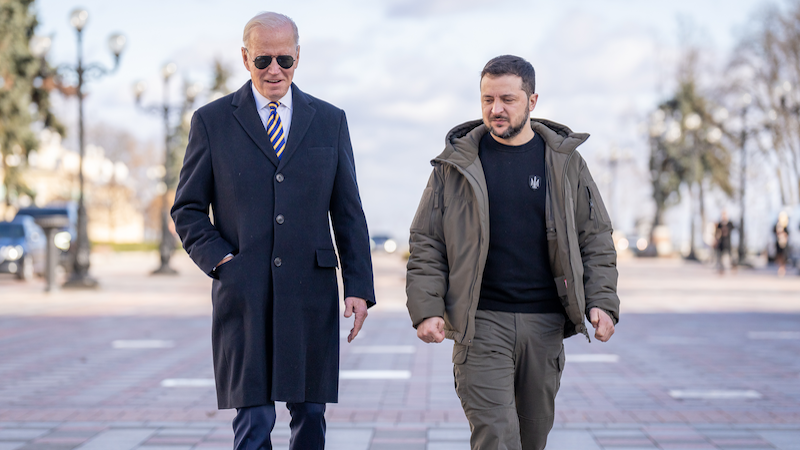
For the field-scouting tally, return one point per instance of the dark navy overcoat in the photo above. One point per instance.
(275, 328)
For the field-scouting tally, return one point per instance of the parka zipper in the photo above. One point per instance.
(435, 198)
(569, 260)
(480, 242)
(552, 229)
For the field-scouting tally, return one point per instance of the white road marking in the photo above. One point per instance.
(188, 382)
(143, 343)
(715, 394)
(384, 349)
(374, 374)
(774, 335)
(678, 340)
(592, 358)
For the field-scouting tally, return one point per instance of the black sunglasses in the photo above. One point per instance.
(263, 61)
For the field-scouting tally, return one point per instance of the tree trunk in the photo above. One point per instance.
(658, 218)
(702, 212)
(781, 186)
(691, 256)
(8, 193)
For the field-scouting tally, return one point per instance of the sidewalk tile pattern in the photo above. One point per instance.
(65, 386)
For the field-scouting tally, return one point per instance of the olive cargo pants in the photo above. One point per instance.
(508, 379)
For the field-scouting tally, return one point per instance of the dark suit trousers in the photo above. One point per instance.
(252, 427)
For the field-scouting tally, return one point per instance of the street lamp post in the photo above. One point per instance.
(692, 123)
(80, 278)
(167, 245)
(613, 162)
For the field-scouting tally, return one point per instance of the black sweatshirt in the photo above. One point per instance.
(517, 277)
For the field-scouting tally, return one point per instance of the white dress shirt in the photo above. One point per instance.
(284, 110)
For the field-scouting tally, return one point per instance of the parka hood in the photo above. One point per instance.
(462, 142)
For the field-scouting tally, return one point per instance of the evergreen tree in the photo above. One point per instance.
(221, 77)
(687, 146)
(25, 81)
(180, 137)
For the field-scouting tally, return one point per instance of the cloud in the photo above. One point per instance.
(406, 72)
(418, 112)
(404, 84)
(422, 8)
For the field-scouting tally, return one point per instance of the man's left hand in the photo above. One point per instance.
(357, 306)
(602, 323)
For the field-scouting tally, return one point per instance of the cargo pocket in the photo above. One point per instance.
(459, 358)
(459, 353)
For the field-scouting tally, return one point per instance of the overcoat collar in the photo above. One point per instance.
(302, 114)
(247, 115)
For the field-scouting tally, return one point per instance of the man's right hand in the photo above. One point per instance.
(431, 330)
(224, 260)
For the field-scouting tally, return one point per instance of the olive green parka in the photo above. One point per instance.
(450, 234)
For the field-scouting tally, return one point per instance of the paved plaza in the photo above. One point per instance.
(699, 361)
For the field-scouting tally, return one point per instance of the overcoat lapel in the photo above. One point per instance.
(302, 115)
(247, 115)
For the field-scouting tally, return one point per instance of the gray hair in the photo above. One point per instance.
(269, 20)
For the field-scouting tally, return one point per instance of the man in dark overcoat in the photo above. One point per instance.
(274, 164)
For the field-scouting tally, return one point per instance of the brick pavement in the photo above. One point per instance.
(66, 384)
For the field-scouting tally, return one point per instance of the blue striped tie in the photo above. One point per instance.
(275, 129)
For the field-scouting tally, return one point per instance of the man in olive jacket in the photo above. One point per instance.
(509, 286)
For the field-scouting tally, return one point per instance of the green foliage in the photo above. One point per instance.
(24, 98)
(686, 147)
(221, 77)
(180, 136)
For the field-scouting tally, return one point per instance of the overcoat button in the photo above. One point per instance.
(279, 177)
(279, 219)
(278, 262)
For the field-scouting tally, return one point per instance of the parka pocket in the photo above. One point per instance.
(561, 286)
(460, 353)
(597, 210)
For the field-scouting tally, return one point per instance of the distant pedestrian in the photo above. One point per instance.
(511, 251)
(276, 166)
(722, 244)
(782, 242)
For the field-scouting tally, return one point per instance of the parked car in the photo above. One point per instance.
(382, 243)
(66, 235)
(23, 248)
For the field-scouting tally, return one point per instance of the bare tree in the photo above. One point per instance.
(767, 60)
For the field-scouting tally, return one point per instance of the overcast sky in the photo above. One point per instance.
(406, 71)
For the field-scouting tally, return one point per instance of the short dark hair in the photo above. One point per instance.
(512, 65)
